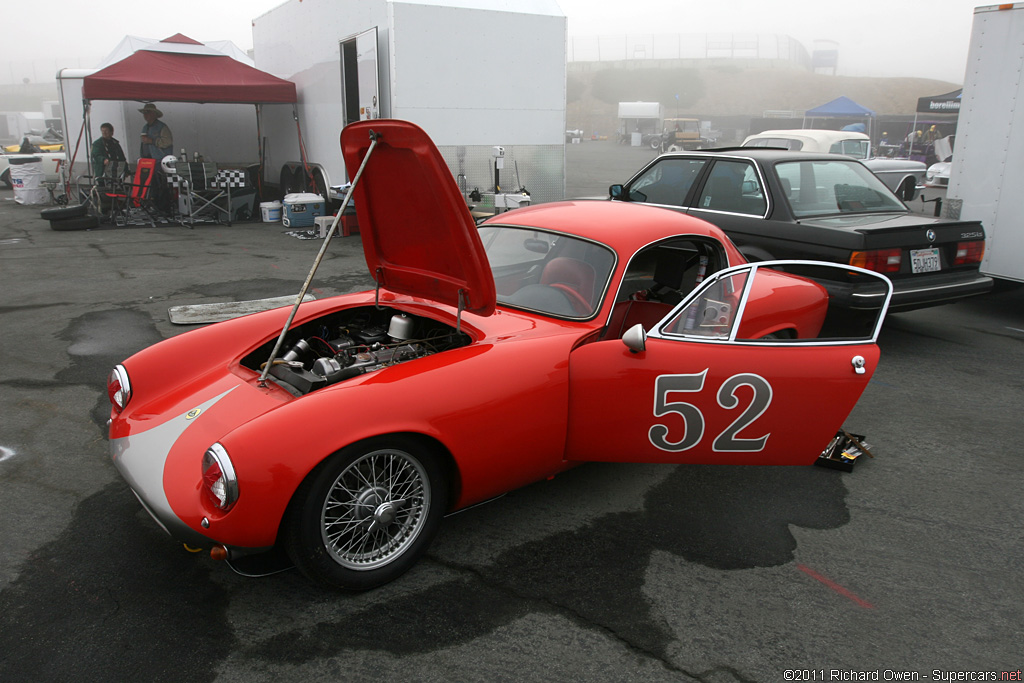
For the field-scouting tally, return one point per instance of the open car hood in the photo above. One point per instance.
(418, 235)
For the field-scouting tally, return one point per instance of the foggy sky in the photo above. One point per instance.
(923, 38)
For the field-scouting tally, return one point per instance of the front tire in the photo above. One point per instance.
(368, 514)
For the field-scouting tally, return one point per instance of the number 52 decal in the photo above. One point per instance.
(693, 419)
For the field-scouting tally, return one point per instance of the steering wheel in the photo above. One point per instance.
(579, 305)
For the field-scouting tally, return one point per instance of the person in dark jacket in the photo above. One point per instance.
(105, 150)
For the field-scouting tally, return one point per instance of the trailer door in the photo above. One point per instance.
(359, 85)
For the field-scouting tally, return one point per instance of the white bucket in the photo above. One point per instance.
(27, 179)
(271, 211)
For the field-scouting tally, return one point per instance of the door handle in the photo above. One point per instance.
(858, 364)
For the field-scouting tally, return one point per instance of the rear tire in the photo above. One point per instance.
(367, 514)
(6, 178)
(907, 190)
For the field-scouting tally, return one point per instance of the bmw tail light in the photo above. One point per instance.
(878, 260)
(969, 252)
(219, 479)
(119, 389)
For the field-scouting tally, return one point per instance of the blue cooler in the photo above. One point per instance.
(301, 210)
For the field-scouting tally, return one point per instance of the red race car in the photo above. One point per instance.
(487, 358)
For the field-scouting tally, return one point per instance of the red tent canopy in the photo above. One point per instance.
(178, 77)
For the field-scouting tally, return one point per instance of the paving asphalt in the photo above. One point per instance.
(911, 563)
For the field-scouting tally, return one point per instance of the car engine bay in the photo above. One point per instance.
(352, 342)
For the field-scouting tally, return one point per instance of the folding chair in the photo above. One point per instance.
(133, 199)
(201, 195)
(96, 187)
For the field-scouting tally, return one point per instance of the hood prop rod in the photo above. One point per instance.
(262, 382)
(378, 277)
(462, 307)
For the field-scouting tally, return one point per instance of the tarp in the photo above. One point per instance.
(841, 106)
(949, 103)
(153, 74)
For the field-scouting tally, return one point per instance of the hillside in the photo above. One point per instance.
(730, 91)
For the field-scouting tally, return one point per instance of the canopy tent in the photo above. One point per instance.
(175, 76)
(840, 107)
(180, 69)
(945, 104)
(948, 103)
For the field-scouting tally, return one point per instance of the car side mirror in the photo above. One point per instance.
(635, 339)
(615, 191)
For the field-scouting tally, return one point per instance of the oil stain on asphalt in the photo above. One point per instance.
(726, 518)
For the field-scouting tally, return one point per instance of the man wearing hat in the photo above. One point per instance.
(156, 144)
(157, 141)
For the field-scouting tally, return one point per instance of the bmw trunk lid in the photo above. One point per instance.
(418, 235)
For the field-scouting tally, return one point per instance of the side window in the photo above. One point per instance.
(658, 278)
(858, 149)
(712, 313)
(735, 187)
(666, 182)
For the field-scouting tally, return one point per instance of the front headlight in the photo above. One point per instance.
(219, 479)
(119, 389)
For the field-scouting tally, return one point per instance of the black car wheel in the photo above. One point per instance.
(64, 212)
(366, 516)
(6, 178)
(77, 223)
(907, 190)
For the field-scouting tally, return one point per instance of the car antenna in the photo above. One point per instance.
(374, 138)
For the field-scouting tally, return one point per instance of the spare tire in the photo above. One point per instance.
(63, 212)
(77, 223)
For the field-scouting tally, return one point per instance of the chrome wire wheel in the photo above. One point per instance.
(375, 509)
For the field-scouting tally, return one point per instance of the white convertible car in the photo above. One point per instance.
(903, 176)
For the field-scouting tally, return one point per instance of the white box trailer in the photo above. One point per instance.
(987, 172)
(640, 123)
(474, 74)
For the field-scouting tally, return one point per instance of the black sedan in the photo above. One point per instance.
(777, 204)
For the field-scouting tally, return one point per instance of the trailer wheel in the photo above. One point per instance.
(320, 188)
(292, 181)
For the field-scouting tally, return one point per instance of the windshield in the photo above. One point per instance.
(547, 272)
(824, 188)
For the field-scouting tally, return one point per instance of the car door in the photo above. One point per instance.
(734, 196)
(719, 381)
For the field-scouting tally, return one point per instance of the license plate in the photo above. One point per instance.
(925, 260)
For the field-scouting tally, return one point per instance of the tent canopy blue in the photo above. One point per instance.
(840, 106)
